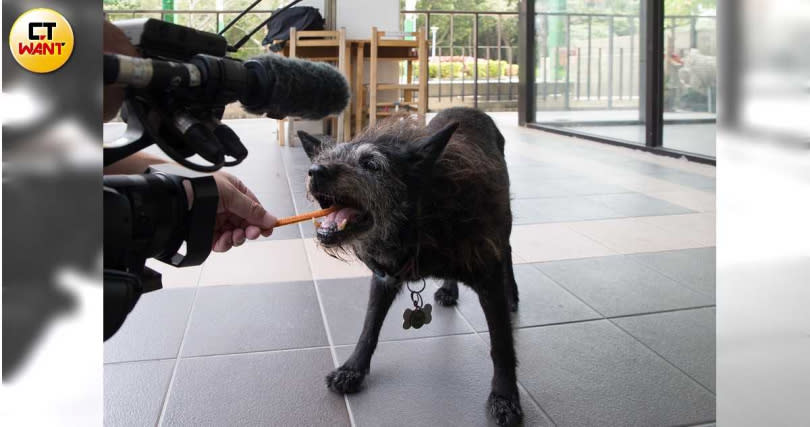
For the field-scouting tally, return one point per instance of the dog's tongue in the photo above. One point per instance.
(341, 216)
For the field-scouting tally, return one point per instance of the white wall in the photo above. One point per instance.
(358, 16)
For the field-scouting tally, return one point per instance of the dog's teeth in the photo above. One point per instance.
(342, 224)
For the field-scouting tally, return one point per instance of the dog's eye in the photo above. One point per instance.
(368, 163)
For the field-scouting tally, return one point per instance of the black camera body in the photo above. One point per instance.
(177, 93)
(148, 215)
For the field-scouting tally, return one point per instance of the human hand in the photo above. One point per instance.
(240, 216)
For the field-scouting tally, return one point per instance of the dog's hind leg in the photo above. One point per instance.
(349, 377)
(509, 284)
(504, 400)
(447, 295)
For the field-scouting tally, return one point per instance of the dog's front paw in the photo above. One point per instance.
(445, 297)
(505, 410)
(345, 380)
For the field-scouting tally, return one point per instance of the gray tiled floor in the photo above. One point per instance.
(134, 392)
(237, 319)
(141, 339)
(542, 302)
(278, 388)
(626, 339)
(618, 286)
(685, 338)
(593, 374)
(398, 391)
(559, 209)
(694, 268)
(344, 302)
(635, 204)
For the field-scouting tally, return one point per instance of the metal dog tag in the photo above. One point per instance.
(421, 314)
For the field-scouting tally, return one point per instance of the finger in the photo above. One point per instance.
(253, 232)
(237, 222)
(242, 187)
(238, 237)
(266, 232)
(224, 242)
(251, 210)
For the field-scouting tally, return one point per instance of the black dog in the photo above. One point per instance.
(418, 202)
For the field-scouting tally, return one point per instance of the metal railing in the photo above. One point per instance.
(583, 60)
(588, 61)
(593, 64)
(206, 20)
(483, 75)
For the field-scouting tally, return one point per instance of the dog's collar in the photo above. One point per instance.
(406, 273)
(410, 268)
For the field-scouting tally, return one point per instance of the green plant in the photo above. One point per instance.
(458, 69)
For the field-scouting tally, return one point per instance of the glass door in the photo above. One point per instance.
(690, 76)
(588, 67)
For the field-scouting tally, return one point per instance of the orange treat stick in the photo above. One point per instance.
(303, 217)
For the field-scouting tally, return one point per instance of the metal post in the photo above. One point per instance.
(487, 68)
(556, 65)
(589, 58)
(693, 32)
(439, 75)
(475, 60)
(610, 63)
(544, 63)
(439, 62)
(527, 62)
(510, 56)
(498, 47)
(621, 70)
(167, 5)
(579, 55)
(632, 49)
(567, 62)
(452, 53)
(599, 75)
(654, 112)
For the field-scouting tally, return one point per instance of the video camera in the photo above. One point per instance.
(176, 94)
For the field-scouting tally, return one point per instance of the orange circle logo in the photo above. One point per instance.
(41, 40)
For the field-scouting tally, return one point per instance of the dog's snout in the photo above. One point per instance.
(318, 171)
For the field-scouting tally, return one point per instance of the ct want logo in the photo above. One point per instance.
(41, 40)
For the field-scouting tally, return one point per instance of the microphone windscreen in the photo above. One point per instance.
(298, 88)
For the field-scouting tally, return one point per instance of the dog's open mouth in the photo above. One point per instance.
(349, 220)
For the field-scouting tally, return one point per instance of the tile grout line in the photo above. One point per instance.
(664, 358)
(332, 349)
(165, 402)
(695, 244)
(519, 384)
(684, 284)
(596, 319)
(610, 319)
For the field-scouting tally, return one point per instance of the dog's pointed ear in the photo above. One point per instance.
(312, 146)
(427, 150)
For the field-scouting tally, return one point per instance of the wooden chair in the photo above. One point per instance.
(415, 45)
(328, 46)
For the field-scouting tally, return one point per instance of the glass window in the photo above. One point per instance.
(690, 76)
(589, 67)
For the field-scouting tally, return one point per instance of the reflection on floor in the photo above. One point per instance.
(615, 253)
(697, 138)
